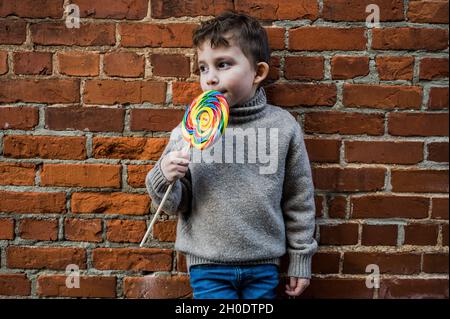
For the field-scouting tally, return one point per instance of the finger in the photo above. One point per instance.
(293, 282)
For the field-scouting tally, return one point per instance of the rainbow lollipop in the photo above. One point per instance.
(203, 124)
(205, 119)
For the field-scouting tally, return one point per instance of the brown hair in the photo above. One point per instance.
(248, 33)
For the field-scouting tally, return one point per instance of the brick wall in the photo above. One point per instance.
(85, 113)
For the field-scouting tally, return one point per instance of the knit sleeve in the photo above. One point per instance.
(298, 207)
(179, 199)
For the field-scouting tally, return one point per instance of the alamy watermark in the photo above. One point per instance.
(373, 19)
(73, 16)
(73, 276)
(373, 279)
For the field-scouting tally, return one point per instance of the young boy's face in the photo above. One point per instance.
(228, 70)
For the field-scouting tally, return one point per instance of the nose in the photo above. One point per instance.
(212, 78)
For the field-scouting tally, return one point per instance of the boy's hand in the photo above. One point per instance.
(296, 286)
(175, 165)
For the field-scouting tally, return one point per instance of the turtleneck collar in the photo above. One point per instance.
(250, 110)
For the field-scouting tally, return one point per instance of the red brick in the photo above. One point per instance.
(379, 235)
(274, 70)
(326, 263)
(40, 91)
(406, 38)
(18, 174)
(303, 68)
(32, 202)
(279, 9)
(130, 231)
(323, 150)
(50, 147)
(418, 124)
(275, 36)
(185, 92)
(93, 119)
(155, 119)
(37, 63)
(89, 230)
(3, 62)
(348, 179)
(444, 232)
(413, 288)
(438, 98)
(391, 68)
(318, 202)
(439, 208)
(46, 229)
(428, 11)
(172, 35)
(119, 92)
(332, 122)
(419, 180)
(421, 234)
(157, 287)
(181, 262)
(14, 285)
(387, 206)
(57, 33)
(105, 9)
(18, 118)
(45, 257)
(6, 230)
(337, 207)
(79, 63)
(341, 234)
(136, 259)
(13, 31)
(124, 64)
(110, 203)
(81, 175)
(433, 68)
(138, 148)
(348, 67)
(435, 263)
(405, 264)
(174, 65)
(382, 96)
(291, 95)
(355, 10)
(178, 8)
(90, 286)
(337, 288)
(137, 174)
(305, 38)
(373, 152)
(438, 152)
(165, 230)
(32, 8)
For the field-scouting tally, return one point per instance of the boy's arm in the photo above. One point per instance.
(178, 201)
(299, 208)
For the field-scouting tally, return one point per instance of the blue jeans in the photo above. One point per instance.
(234, 282)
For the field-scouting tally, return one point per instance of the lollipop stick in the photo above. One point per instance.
(158, 211)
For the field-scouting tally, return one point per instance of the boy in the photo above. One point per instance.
(235, 219)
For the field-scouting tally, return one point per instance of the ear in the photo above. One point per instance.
(262, 70)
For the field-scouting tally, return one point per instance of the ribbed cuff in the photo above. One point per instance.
(192, 260)
(158, 180)
(299, 265)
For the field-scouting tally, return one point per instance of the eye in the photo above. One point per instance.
(223, 65)
(202, 68)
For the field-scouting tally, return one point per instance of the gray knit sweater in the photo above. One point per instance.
(248, 199)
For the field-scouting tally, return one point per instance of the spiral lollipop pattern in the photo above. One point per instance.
(205, 119)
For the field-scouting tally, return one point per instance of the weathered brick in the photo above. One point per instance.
(155, 119)
(175, 65)
(6, 230)
(438, 98)
(124, 64)
(94, 119)
(165, 230)
(433, 68)
(139, 148)
(110, 203)
(340, 234)
(163, 9)
(405, 264)
(303, 68)
(40, 91)
(50, 147)
(37, 63)
(136, 259)
(119, 92)
(79, 63)
(348, 179)
(396, 288)
(323, 150)
(185, 92)
(14, 285)
(388, 206)
(337, 288)
(89, 286)
(18, 118)
(18, 174)
(279, 9)
(44, 229)
(89, 230)
(137, 174)
(379, 235)
(337, 207)
(32, 202)
(391, 68)
(435, 263)
(418, 124)
(88, 34)
(440, 207)
(355, 10)
(130, 231)
(157, 287)
(45, 257)
(290, 95)
(106, 9)
(3, 62)
(383, 152)
(325, 263)
(13, 31)
(305, 38)
(32, 8)
(438, 152)
(406, 38)
(428, 11)
(348, 67)
(421, 234)
(419, 180)
(275, 36)
(332, 122)
(382, 96)
(81, 175)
